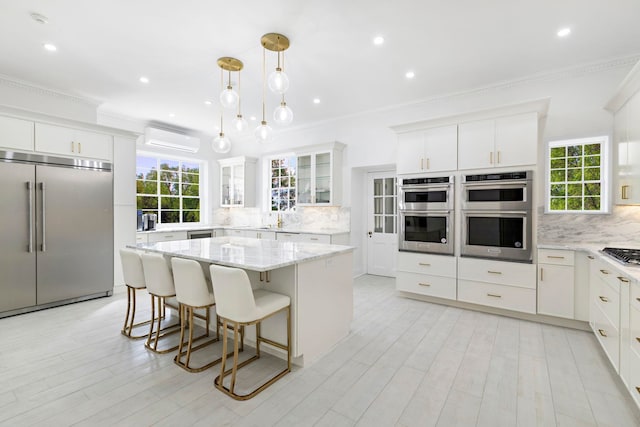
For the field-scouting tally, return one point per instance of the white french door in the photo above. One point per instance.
(382, 218)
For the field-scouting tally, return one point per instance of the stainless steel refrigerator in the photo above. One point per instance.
(56, 239)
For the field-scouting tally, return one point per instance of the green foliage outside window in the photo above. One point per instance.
(168, 188)
(283, 184)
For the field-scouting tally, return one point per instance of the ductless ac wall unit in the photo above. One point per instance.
(161, 138)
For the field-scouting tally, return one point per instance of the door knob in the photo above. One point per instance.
(370, 234)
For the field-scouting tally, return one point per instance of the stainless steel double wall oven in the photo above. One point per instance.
(426, 214)
(497, 216)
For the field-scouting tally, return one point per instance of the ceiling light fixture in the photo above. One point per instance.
(228, 99)
(278, 81)
(50, 47)
(239, 123)
(263, 132)
(410, 74)
(144, 80)
(564, 32)
(378, 40)
(316, 100)
(207, 103)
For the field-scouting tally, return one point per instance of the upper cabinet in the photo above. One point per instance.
(16, 134)
(430, 150)
(501, 142)
(625, 105)
(319, 176)
(237, 182)
(73, 142)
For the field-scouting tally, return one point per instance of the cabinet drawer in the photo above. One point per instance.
(611, 276)
(435, 286)
(635, 295)
(438, 265)
(141, 238)
(634, 330)
(287, 237)
(266, 235)
(235, 233)
(608, 336)
(608, 300)
(556, 256)
(500, 296)
(634, 377)
(167, 236)
(314, 238)
(500, 272)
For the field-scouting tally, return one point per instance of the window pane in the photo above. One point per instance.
(168, 217)
(558, 163)
(592, 174)
(377, 187)
(150, 174)
(170, 203)
(169, 176)
(574, 203)
(190, 178)
(574, 189)
(557, 204)
(377, 205)
(592, 149)
(146, 187)
(170, 165)
(190, 190)
(574, 150)
(378, 223)
(169, 188)
(190, 203)
(592, 203)
(147, 202)
(558, 190)
(574, 162)
(389, 205)
(558, 152)
(592, 161)
(190, 167)
(191, 216)
(389, 186)
(557, 176)
(574, 175)
(592, 189)
(388, 225)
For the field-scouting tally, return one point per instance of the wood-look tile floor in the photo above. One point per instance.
(405, 363)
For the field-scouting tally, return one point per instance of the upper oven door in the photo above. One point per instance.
(497, 195)
(426, 197)
(430, 232)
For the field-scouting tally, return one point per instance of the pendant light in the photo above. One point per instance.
(239, 124)
(229, 98)
(221, 143)
(263, 132)
(283, 115)
(278, 79)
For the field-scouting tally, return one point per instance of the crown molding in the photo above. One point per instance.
(42, 91)
(629, 86)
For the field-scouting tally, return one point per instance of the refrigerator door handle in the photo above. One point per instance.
(30, 187)
(44, 219)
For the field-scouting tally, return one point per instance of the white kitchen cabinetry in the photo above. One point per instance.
(260, 234)
(319, 176)
(166, 236)
(16, 134)
(627, 146)
(73, 142)
(631, 375)
(426, 274)
(238, 182)
(605, 310)
(556, 283)
(431, 150)
(500, 284)
(502, 142)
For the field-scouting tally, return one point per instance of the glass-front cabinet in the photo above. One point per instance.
(319, 176)
(237, 182)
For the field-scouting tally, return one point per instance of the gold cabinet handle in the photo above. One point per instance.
(424, 284)
(541, 274)
(625, 196)
(603, 299)
(73, 147)
(555, 257)
(498, 157)
(421, 163)
(623, 279)
(602, 332)
(591, 257)
(490, 157)
(494, 272)
(313, 238)
(604, 272)
(494, 296)
(425, 264)
(428, 164)
(79, 147)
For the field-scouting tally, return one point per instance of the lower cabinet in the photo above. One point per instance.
(499, 296)
(160, 236)
(556, 283)
(427, 274)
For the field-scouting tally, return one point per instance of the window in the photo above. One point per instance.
(577, 175)
(169, 188)
(283, 183)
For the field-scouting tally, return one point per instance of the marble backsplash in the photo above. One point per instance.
(304, 217)
(621, 226)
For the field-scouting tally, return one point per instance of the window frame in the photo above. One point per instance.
(267, 177)
(605, 174)
(202, 183)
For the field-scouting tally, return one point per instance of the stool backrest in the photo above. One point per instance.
(158, 275)
(191, 285)
(232, 289)
(132, 268)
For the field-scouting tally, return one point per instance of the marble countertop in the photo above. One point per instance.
(327, 231)
(244, 252)
(595, 249)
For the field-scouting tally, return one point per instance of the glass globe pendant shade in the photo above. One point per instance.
(229, 98)
(278, 81)
(264, 133)
(283, 114)
(221, 144)
(239, 124)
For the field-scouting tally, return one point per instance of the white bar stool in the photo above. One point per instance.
(160, 287)
(192, 293)
(134, 280)
(239, 305)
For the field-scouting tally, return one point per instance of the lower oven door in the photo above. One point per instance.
(430, 232)
(497, 235)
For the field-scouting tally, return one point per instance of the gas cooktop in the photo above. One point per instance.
(625, 256)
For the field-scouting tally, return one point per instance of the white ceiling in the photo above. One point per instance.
(455, 45)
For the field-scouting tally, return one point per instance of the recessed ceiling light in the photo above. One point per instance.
(564, 32)
(316, 100)
(378, 40)
(50, 47)
(172, 114)
(40, 19)
(207, 102)
(410, 74)
(144, 79)
(252, 118)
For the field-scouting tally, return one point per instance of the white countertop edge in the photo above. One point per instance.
(329, 231)
(595, 249)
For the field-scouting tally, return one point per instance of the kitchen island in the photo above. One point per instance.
(317, 277)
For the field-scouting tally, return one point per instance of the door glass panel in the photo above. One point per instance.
(389, 224)
(377, 205)
(226, 185)
(377, 187)
(304, 179)
(377, 223)
(389, 186)
(389, 205)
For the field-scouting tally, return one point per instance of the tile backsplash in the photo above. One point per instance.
(621, 226)
(304, 217)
